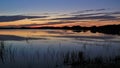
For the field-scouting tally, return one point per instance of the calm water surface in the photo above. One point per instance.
(51, 48)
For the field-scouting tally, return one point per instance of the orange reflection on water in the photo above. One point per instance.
(44, 33)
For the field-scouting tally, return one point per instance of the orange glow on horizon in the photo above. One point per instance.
(85, 24)
(36, 24)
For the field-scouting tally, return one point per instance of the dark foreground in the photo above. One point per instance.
(32, 48)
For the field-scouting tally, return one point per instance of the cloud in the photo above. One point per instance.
(83, 11)
(48, 23)
(114, 13)
(86, 17)
(60, 22)
(101, 16)
(90, 10)
(90, 14)
(49, 13)
(18, 17)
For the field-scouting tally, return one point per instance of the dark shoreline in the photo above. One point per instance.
(107, 29)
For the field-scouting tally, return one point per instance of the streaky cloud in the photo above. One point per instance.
(90, 10)
(60, 22)
(100, 13)
(18, 17)
(101, 16)
(89, 18)
(48, 23)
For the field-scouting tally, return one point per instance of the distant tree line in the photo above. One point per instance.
(107, 29)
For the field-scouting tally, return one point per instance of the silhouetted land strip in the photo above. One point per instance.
(107, 29)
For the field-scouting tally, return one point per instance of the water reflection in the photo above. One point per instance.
(17, 38)
(65, 49)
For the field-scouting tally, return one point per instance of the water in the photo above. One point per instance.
(55, 48)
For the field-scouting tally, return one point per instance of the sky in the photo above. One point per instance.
(36, 13)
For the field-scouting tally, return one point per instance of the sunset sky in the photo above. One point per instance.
(38, 13)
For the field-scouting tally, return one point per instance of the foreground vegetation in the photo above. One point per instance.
(70, 59)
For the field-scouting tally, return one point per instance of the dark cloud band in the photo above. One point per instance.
(18, 17)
